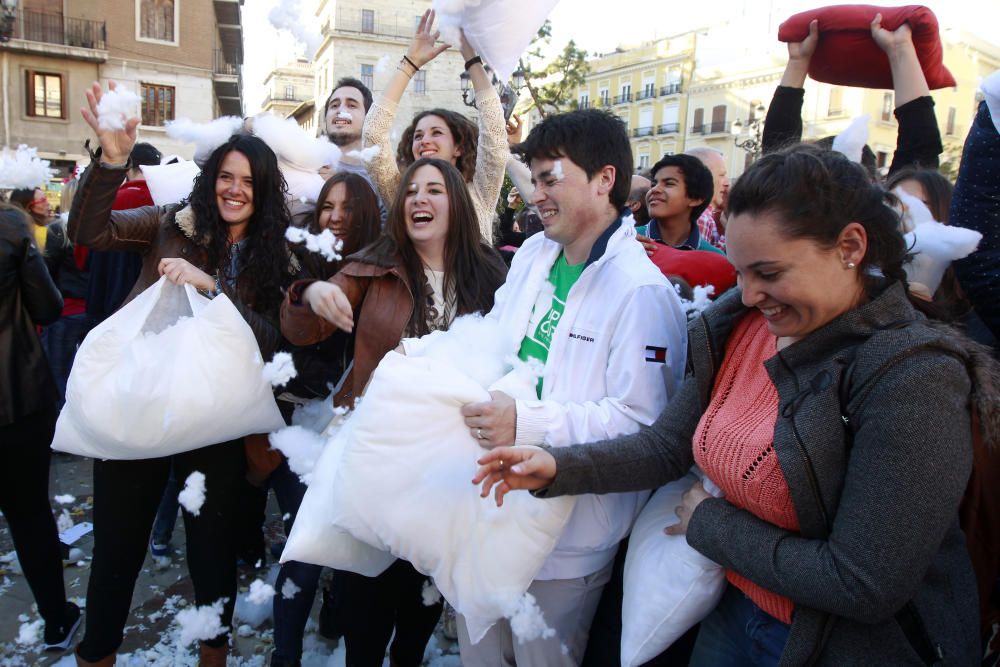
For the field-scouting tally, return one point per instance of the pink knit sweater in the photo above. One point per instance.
(734, 444)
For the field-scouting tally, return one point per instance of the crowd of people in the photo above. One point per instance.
(846, 404)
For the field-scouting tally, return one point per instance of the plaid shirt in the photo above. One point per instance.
(709, 230)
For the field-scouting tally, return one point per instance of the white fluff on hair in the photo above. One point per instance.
(365, 154)
(205, 136)
(288, 15)
(22, 168)
(325, 243)
(116, 107)
(851, 142)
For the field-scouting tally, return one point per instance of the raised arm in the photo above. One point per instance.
(91, 221)
(378, 121)
(783, 123)
(918, 142)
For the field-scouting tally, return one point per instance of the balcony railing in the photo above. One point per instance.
(710, 128)
(55, 29)
(646, 94)
(384, 25)
(642, 132)
(583, 104)
(604, 101)
(623, 99)
(671, 89)
(669, 128)
(223, 67)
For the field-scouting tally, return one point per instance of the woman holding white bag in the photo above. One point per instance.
(429, 266)
(235, 218)
(839, 423)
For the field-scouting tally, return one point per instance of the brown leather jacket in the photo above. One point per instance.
(382, 303)
(156, 232)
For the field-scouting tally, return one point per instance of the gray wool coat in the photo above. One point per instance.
(879, 571)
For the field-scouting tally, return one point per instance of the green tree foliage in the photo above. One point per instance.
(552, 86)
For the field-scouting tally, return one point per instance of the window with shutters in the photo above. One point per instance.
(157, 20)
(158, 104)
(45, 98)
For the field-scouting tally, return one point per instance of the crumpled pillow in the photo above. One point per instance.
(848, 56)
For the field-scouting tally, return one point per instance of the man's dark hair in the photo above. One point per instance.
(144, 154)
(592, 139)
(698, 182)
(350, 82)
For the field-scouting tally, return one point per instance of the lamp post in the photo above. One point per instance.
(507, 91)
(754, 132)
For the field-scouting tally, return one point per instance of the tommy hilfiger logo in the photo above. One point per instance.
(585, 339)
(656, 355)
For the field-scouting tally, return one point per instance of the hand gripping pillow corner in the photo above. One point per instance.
(848, 56)
(169, 372)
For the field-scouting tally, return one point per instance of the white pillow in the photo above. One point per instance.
(668, 586)
(146, 381)
(404, 486)
(170, 183)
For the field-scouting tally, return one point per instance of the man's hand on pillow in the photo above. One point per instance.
(493, 423)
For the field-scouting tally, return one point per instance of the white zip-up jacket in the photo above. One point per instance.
(616, 357)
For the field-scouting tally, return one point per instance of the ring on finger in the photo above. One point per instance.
(501, 464)
(479, 433)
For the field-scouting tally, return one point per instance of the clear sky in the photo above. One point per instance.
(599, 30)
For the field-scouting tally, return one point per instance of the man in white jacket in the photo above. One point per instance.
(585, 301)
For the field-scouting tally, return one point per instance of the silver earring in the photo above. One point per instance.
(851, 265)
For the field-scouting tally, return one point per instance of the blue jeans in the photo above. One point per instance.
(60, 341)
(290, 615)
(739, 633)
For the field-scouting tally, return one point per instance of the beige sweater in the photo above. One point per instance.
(491, 156)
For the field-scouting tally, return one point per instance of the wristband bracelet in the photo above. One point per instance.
(411, 63)
(405, 71)
(474, 60)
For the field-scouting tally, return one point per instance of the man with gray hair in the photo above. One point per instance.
(710, 221)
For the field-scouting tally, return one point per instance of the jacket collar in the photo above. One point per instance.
(184, 218)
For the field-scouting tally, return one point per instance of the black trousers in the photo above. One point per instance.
(24, 501)
(126, 496)
(378, 605)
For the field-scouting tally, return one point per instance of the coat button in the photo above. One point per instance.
(184, 250)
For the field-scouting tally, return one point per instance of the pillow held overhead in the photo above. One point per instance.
(848, 56)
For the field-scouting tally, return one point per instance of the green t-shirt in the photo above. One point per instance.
(543, 324)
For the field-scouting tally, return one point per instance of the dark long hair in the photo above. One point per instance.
(265, 255)
(365, 223)
(464, 133)
(472, 270)
(815, 193)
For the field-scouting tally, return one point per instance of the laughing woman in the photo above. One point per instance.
(480, 156)
(837, 420)
(227, 239)
(429, 267)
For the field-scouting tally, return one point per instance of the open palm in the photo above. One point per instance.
(116, 145)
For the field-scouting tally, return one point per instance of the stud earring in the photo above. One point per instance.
(851, 265)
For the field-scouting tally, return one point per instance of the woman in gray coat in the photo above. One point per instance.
(837, 420)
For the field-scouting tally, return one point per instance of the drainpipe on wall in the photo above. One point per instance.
(6, 103)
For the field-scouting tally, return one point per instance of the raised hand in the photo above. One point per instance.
(807, 47)
(116, 145)
(424, 48)
(329, 302)
(512, 468)
(888, 40)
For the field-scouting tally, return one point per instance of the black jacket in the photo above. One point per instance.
(28, 297)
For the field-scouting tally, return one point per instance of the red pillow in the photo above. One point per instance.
(696, 267)
(848, 56)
